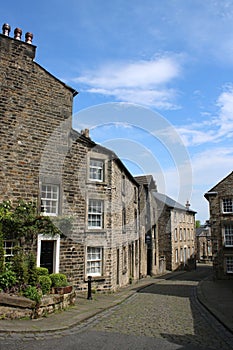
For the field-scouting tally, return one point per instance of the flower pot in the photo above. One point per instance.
(62, 290)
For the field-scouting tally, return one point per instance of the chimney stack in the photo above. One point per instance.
(187, 205)
(17, 33)
(6, 28)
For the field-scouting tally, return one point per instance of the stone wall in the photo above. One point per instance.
(218, 219)
(14, 307)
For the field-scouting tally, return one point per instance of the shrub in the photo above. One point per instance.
(58, 280)
(8, 279)
(42, 271)
(32, 273)
(20, 266)
(45, 283)
(31, 292)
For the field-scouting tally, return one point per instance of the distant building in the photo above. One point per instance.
(220, 199)
(150, 261)
(204, 243)
(176, 232)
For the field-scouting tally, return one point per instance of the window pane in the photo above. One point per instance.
(95, 213)
(227, 205)
(228, 235)
(229, 264)
(49, 199)
(96, 170)
(94, 261)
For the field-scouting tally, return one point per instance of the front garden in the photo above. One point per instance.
(19, 276)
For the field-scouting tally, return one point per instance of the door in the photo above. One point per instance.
(47, 255)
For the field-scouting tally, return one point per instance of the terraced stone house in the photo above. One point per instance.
(176, 233)
(220, 198)
(67, 174)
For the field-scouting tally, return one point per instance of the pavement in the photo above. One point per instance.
(216, 296)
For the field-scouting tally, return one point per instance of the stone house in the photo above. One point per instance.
(151, 264)
(204, 243)
(69, 176)
(220, 198)
(176, 232)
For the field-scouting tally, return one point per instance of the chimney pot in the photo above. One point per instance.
(17, 33)
(6, 28)
(28, 38)
(187, 205)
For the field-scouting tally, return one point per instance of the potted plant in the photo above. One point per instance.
(60, 284)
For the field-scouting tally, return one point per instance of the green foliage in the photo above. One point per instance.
(24, 221)
(32, 293)
(8, 279)
(42, 271)
(2, 258)
(58, 280)
(20, 266)
(45, 284)
(198, 223)
(32, 272)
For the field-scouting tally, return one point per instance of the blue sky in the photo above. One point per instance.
(139, 65)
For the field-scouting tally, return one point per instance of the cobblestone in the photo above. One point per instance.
(170, 311)
(166, 314)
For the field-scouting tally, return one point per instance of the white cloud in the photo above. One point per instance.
(142, 82)
(215, 129)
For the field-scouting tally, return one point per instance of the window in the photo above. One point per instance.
(136, 220)
(227, 204)
(228, 235)
(95, 213)
(123, 185)
(181, 254)
(180, 234)
(188, 234)
(229, 264)
(184, 234)
(94, 261)
(96, 170)
(49, 199)
(177, 256)
(8, 248)
(123, 218)
(175, 234)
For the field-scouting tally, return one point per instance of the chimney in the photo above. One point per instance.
(85, 133)
(12, 43)
(28, 38)
(6, 28)
(17, 33)
(187, 205)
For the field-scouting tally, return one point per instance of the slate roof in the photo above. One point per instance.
(171, 203)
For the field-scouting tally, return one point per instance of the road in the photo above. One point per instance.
(164, 315)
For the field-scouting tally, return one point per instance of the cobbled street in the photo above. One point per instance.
(164, 315)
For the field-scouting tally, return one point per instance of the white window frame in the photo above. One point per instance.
(228, 235)
(8, 247)
(96, 211)
(227, 205)
(55, 238)
(94, 257)
(97, 168)
(47, 201)
(229, 264)
(177, 255)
